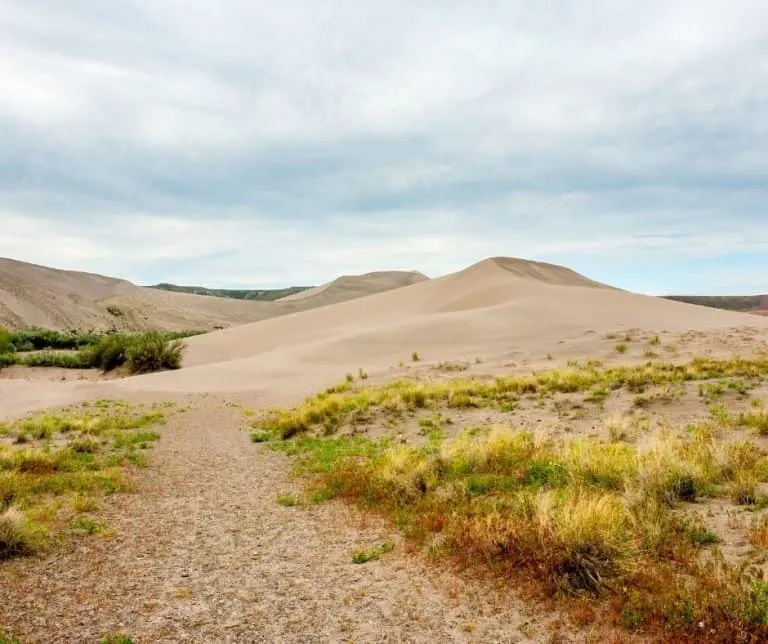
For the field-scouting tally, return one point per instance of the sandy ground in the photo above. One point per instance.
(202, 552)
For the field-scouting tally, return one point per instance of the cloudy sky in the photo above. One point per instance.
(254, 143)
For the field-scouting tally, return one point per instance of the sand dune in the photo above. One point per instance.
(350, 287)
(498, 310)
(32, 295)
(494, 308)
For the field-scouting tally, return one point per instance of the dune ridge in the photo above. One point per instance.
(498, 310)
(34, 295)
(484, 310)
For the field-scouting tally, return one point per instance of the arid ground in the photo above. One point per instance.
(214, 544)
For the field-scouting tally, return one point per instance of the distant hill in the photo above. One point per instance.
(34, 295)
(350, 287)
(263, 295)
(744, 303)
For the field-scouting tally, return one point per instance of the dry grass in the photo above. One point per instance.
(588, 518)
(327, 411)
(54, 467)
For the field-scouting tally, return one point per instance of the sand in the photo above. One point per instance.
(32, 295)
(497, 308)
(349, 287)
(203, 552)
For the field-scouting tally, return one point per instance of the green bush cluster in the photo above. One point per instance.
(38, 339)
(139, 352)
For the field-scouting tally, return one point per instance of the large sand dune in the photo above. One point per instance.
(499, 310)
(32, 295)
(498, 307)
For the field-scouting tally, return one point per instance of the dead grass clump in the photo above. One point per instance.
(17, 537)
(758, 532)
(756, 419)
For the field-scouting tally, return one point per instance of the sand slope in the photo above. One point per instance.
(32, 295)
(349, 287)
(494, 308)
(52, 298)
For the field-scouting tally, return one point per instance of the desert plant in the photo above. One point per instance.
(6, 343)
(109, 353)
(152, 352)
(52, 359)
(141, 353)
(16, 536)
(364, 555)
(8, 359)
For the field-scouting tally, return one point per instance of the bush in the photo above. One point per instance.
(51, 359)
(109, 353)
(16, 536)
(141, 353)
(36, 339)
(6, 343)
(8, 360)
(151, 352)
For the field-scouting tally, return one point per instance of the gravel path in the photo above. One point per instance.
(203, 553)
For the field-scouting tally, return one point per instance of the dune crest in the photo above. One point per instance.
(33, 295)
(539, 271)
(349, 287)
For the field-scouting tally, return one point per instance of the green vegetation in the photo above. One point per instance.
(288, 500)
(52, 359)
(6, 638)
(265, 295)
(364, 555)
(585, 516)
(59, 466)
(327, 411)
(604, 521)
(139, 352)
(727, 302)
(116, 639)
(37, 339)
(6, 341)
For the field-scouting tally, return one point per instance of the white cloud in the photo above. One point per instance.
(247, 142)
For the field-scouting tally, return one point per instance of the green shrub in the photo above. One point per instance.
(109, 353)
(16, 535)
(8, 360)
(141, 353)
(151, 352)
(6, 342)
(52, 359)
(36, 339)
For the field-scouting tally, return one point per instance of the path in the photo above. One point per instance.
(203, 553)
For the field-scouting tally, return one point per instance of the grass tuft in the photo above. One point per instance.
(64, 463)
(17, 535)
(364, 555)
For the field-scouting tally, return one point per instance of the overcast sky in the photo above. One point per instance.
(253, 143)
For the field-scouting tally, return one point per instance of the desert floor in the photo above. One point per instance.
(201, 551)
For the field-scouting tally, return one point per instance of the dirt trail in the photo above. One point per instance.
(203, 553)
